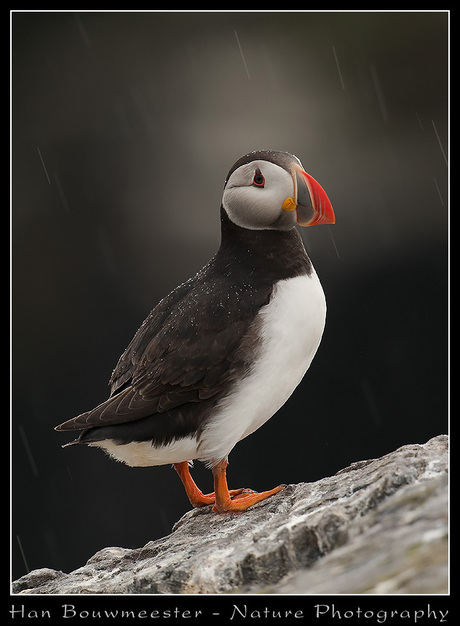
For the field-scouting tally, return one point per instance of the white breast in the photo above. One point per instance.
(292, 326)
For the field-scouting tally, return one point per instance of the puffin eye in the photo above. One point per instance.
(258, 180)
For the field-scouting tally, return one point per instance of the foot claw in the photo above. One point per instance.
(242, 493)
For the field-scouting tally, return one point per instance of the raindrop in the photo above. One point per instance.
(338, 67)
(439, 141)
(28, 450)
(438, 190)
(379, 93)
(44, 166)
(242, 55)
(419, 121)
(83, 31)
(334, 244)
(22, 553)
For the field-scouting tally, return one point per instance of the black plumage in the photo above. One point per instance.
(196, 343)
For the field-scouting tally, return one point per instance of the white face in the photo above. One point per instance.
(254, 195)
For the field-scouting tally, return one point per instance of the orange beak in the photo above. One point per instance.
(311, 202)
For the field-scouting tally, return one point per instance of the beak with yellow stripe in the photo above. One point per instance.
(310, 201)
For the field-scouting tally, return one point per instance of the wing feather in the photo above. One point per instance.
(183, 352)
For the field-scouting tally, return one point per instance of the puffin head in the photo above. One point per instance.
(270, 190)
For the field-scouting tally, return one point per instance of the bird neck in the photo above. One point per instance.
(276, 253)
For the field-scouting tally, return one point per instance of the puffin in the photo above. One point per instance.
(217, 357)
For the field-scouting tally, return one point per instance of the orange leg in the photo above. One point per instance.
(243, 500)
(196, 496)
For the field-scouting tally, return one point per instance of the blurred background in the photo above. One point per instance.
(124, 127)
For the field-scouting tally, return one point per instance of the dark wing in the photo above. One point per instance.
(185, 350)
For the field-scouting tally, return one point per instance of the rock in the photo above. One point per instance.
(376, 527)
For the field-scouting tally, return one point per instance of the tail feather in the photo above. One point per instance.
(71, 443)
(115, 410)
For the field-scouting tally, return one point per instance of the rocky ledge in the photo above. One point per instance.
(376, 527)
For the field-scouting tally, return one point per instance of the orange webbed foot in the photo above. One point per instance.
(223, 499)
(242, 500)
(195, 495)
